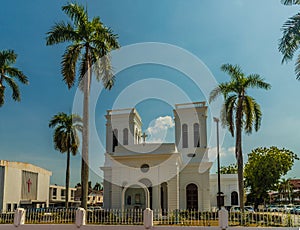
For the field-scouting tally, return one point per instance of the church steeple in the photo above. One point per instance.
(123, 127)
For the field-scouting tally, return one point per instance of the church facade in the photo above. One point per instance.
(139, 175)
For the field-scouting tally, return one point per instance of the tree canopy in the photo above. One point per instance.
(264, 169)
(230, 169)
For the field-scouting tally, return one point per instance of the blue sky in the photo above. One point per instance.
(217, 32)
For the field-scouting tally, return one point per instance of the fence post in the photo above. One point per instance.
(223, 218)
(148, 218)
(80, 217)
(19, 218)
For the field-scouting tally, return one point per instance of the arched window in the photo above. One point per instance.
(234, 198)
(184, 136)
(192, 197)
(115, 139)
(125, 136)
(196, 135)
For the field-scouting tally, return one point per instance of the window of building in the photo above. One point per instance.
(184, 136)
(115, 139)
(72, 194)
(192, 197)
(196, 135)
(63, 193)
(234, 198)
(8, 207)
(54, 193)
(15, 206)
(125, 136)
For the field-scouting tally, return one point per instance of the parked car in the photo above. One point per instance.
(238, 209)
(285, 208)
(295, 210)
(272, 208)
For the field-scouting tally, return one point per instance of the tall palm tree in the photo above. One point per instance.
(289, 43)
(91, 43)
(240, 111)
(8, 74)
(66, 140)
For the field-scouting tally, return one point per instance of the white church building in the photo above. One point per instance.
(171, 176)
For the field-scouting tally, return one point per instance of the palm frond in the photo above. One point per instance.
(234, 71)
(62, 32)
(248, 110)
(297, 67)
(2, 95)
(103, 71)
(256, 81)
(82, 71)
(68, 63)
(290, 2)
(76, 12)
(15, 89)
(14, 72)
(7, 57)
(229, 104)
(289, 42)
(257, 115)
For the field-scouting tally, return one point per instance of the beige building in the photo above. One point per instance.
(57, 196)
(229, 188)
(23, 185)
(138, 174)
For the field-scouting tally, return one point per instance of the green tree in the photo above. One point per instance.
(97, 186)
(8, 75)
(264, 169)
(230, 169)
(240, 111)
(290, 40)
(91, 43)
(66, 140)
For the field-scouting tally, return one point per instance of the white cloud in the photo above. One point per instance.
(158, 129)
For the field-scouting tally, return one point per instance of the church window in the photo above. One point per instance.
(145, 168)
(125, 136)
(234, 198)
(192, 197)
(184, 136)
(196, 135)
(115, 139)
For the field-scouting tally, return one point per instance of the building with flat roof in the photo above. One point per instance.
(23, 185)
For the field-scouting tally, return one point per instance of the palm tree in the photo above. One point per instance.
(66, 139)
(240, 111)
(285, 189)
(289, 43)
(91, 43)
(8, 74)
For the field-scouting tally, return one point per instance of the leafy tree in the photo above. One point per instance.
(230, 169)
(97, 186)
(66, 140)
(91, 43)
(264, 169)
(8, 75)
(290, 40)
(240, 111)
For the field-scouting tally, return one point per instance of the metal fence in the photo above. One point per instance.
(50, 216)
(115, 216)
(160, 217)
(7, 217)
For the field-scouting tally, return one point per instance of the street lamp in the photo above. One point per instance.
(218, 159)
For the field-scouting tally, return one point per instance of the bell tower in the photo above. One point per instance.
(123, 127)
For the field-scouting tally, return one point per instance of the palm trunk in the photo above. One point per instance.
(85, 135)
(67, 179)
(239, 154)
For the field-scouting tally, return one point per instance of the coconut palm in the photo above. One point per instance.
(90, 45)
(240, 111)
(66, 140)
(289, 43)
(8, 75)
